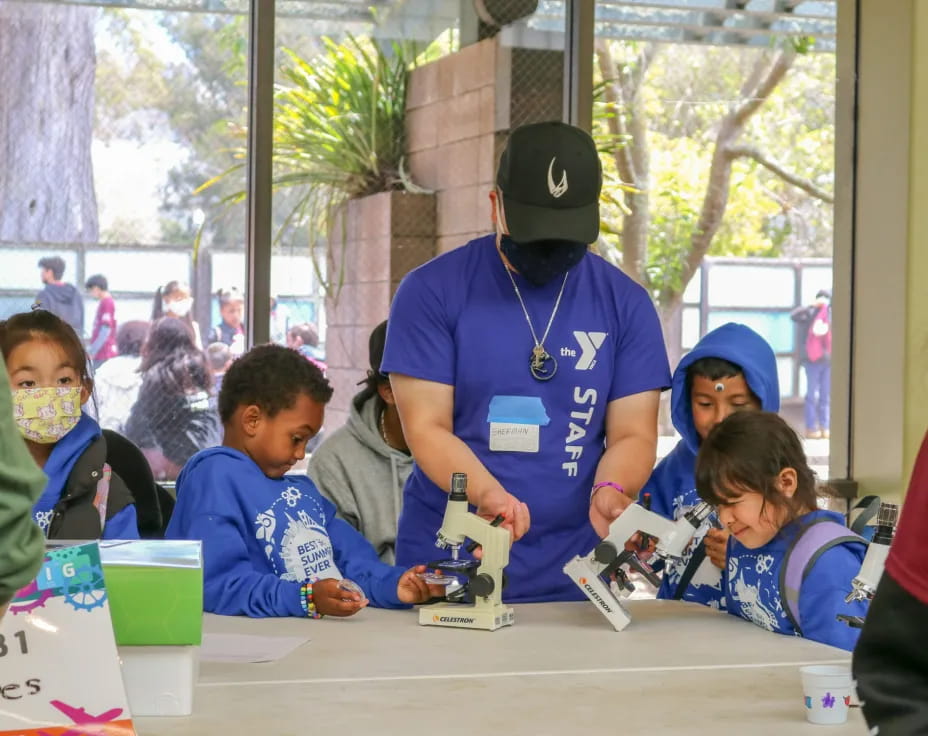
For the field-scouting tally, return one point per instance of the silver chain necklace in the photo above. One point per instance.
(542, 364)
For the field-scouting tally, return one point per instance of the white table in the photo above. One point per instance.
(678, 668)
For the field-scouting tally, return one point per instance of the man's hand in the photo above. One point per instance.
(605, 506)
(331, 600)
(413, 589)
(716, 542)
(497, 502)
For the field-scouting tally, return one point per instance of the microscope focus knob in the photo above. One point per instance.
(481, 585)
(605, 553)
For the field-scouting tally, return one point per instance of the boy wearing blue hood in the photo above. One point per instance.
(272, 545)
(731, 369)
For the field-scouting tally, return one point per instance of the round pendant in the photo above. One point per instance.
(542, 365)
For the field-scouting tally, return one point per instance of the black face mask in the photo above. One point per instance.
(542, 260)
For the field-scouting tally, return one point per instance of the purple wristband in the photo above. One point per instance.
(601, 484)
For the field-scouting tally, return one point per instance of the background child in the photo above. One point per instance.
(103, 337)
(304, 338)
(50, 379)
(752, 467)
(175, 299)
(174, 415)
(731, 369)
(230, 330)
(272, 545)
(220, 358)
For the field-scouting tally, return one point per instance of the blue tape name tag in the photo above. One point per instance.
(515, 423)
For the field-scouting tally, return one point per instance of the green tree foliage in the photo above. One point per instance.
(193, 96)
(662, 116)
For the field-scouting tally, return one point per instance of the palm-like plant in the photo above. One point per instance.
(339, 134)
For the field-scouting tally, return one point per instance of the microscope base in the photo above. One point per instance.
(486, 617)
(582, 571)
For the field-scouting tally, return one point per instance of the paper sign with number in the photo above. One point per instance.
(59, 670)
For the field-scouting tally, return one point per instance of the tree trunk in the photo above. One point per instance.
(632, 160)
(47, 69)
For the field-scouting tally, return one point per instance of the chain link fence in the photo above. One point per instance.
(471, 73)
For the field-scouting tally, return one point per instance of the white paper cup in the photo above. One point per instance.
(826, 690)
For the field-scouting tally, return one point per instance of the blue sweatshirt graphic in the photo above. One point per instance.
(751, 584)
(264, 537)
(672, 485)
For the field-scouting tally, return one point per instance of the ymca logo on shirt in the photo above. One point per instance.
(589, 343)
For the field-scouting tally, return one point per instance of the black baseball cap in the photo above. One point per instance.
(550, 177)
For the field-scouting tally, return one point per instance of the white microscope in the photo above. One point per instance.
(592, 572)
(864, 584)
(484, 578)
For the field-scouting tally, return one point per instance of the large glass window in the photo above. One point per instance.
(114, 117)
(717, 132)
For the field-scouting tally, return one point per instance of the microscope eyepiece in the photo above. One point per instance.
(458, 487)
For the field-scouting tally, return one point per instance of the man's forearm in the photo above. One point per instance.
(628, 462)
(440, 453)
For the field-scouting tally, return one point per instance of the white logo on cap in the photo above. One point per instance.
(557, 190)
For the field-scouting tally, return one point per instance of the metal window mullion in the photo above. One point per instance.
(578, 63)
(258, 237)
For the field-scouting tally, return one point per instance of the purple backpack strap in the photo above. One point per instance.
(812, 541)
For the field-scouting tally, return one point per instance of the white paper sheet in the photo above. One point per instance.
(247, 647)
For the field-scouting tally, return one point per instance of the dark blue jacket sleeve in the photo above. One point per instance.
(231, 585)
(357, 559)
(822, 595)
(123, 525)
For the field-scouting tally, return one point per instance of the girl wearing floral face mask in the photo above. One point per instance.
(50, 382)
(175, 299)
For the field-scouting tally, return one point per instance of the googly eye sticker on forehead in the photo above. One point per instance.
(719, 387)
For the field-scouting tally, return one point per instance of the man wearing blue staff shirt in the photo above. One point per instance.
(531, 365)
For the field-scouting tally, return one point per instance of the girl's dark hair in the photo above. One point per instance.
(171, 358)
(131, 336)
(42, 324)
(157, 308)
(746, 453)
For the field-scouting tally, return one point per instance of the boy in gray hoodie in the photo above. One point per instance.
(362, 467)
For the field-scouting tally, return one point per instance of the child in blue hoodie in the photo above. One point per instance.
(731, 369)
(272, 545)
(49, 374)
(753, 469)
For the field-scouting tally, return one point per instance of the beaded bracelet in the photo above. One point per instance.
(306, 601)
(608, 483)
